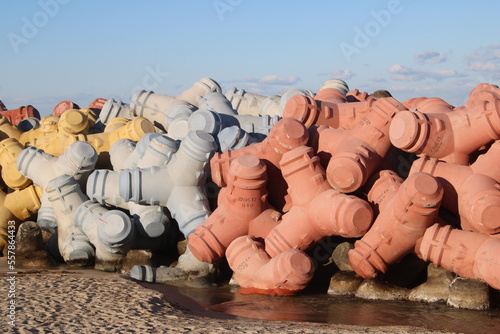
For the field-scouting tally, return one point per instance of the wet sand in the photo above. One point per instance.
(89, 301)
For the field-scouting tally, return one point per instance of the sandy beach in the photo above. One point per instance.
(88, 301)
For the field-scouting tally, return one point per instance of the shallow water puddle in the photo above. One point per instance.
(226, 302)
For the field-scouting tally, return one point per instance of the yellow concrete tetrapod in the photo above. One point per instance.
(56, 143)
(16, 207)
(133, 130)
(74, 122)
(6, 219)
(8, 130)
(48, 125)
(115, 123)
(9, 150)
(24, 203)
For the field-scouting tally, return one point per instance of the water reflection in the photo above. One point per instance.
(342, 310)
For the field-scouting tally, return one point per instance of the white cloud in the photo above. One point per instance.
(455, 92)
(431, 56)
(271, 79)
(339, 74)
(486, 62)
(342, 74)
(403, 73)
(266, 85)
(274, 79)
(487, 53)
(484, 67)
(397, 68)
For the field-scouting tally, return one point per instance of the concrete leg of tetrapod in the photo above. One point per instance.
(401, 222)
(179, 185)
(110, 231)
(9, 151)
(317, 210)
(216, 101)
(7, 130)
(440, 135)
(188, 267)
(199, 89)
(242, 209)
(113, 109)
(65, 195)
(243, 102)
(468, 254)
(256, 272)
(17, 115)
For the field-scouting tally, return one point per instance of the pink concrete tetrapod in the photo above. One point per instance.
(256, 272)
(97, 104)
(428, 105)
(466, 253)
(317, 210)
(475, 197)
(441, 135)
(357, 153)
(356, 96)
(62, 106)
(17, 115)
(330, 108)
(402, 221)
(242, 209)
(287, 134)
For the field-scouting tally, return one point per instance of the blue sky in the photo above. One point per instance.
(53, 50)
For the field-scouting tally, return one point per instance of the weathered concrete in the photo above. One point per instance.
(436, 288)
(345, 283)
(339, 256)
(29, 238)
(377, 289)
(469, 293)
(39, 259)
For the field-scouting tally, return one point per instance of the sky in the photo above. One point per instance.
(54, 50)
